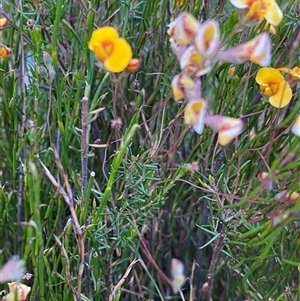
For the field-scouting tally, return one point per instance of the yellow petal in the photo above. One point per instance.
(100, 36)
(178, 90)
(273, 13)
(119, 57)
(264, 75)
(282, 96)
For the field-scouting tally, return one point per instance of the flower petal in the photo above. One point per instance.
(101, 36)
(227, 127)
(207, 40)
(194, 114)
(193, 63)
(180, 83)
(184, 28)
(239, 3)
(283, 95)
(119, 57)
(273, 14)
(178, 49)
(296, 127)
(257, 50)
(266, 74)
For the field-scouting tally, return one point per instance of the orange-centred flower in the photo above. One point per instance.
(274, 87)
(256, 10)
(113, 51)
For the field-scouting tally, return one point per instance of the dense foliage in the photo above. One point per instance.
(105, 191)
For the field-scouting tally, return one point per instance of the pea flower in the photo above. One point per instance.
(255, 11)
(207, 40)
(178, 49)
(5, 52)
(18, 292)
(177, 273)
(194, 114)
(293, 75)
(183, 29)
(112, 50)
(193, 63)
(13, 269)
(257, 50)
(3, 22)
(296, 127)
(274, 87)
(227, 128)
(184, 86)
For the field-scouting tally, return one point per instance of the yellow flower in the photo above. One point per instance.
(274, 87)
(296, 127)
(18, 292)
(194, 114)
(5, 52)
(227, 127)
(114, 52)
(183, 29)
(256, 10)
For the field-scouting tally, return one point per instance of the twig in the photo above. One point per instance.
(122, 280)
(69, 200)
(84, 144)
(216, 253)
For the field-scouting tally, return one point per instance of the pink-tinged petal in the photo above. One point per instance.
(286, 195)
(181, 83)
(183, 29)
(227, 127)
(195, 92)
(193, 63)
(178, 49)
(257, 50)
(194, 114)
(207, 40)
(12, 270)
(296, 127)
(240, 3)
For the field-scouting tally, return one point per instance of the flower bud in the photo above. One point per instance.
(5, 52)
(133, 66)
(42, 71)
(30, 22)
(3, 22)
(47, 59)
